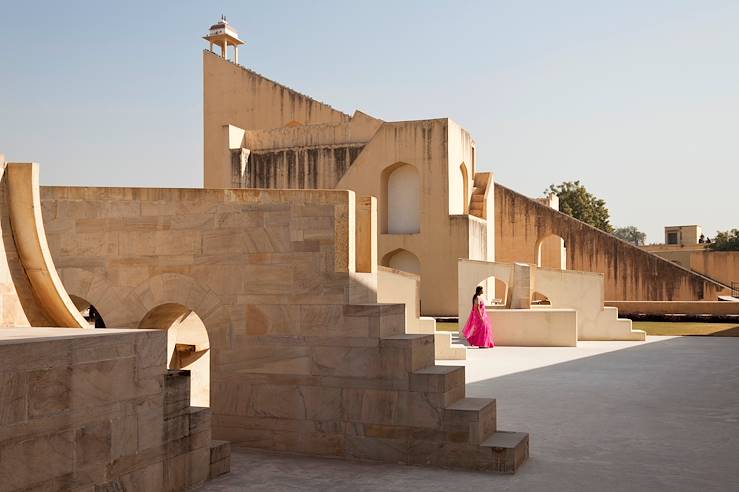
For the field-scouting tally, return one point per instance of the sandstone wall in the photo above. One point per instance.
(94, 409)
(629, 272)
(234, 95)
(722, 266)
(297, 364)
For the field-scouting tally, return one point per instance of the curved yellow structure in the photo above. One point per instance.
(24, 204)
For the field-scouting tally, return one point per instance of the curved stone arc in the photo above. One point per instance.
(24, 203)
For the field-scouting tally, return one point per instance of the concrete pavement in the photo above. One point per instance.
(655, 415)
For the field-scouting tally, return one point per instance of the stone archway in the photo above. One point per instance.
(551, 252)
(188, 346)
(403, 260)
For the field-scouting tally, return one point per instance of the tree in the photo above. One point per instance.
(576, 201)
(725, 241)
(631, 234)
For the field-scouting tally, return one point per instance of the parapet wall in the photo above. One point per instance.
(629, 272)
(94, 409)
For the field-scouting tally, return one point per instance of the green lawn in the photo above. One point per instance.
(447, 326)
(660, 328)
(688, 328)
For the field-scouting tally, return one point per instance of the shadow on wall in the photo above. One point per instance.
(188, 346)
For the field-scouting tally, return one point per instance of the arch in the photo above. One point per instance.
(88, 311)
(551, 252)
(188, 345)
(465, 189)
(539, 299)
(401, 199)
(403, 260)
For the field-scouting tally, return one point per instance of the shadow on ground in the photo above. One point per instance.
(658, 416)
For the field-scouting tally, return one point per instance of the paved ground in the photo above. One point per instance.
(660, 415)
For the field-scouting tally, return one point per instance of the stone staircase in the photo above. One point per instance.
(433, 422)
(458, 339)
(448, 347)
(620, 328)
(477, 199)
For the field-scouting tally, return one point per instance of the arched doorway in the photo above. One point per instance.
(88, 311)
(403, 260)
(188, 346)
(551, 252)
(402, 199)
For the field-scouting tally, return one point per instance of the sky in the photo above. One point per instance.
(637, 100)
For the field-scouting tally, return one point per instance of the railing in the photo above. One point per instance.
(735, 289)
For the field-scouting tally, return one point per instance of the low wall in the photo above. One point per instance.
(630, 273)
(396, 287)
(534, 327)
(83, 409)
(716, 308)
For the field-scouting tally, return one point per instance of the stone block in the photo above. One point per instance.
(219, 468)
(504, 452)
(439, 379)
(347, 361)
(150, 427)
(176, 427)
(149, 478)
(37, 459)
(219, 450)
(13, 397)
(93, 443)
(377, 449)
(124, 436)
(199, 419)
(49, 391)
(321, 403)
(176, 392)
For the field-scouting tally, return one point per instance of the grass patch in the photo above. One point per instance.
(447, 326)
(673, 328)
(660, 328)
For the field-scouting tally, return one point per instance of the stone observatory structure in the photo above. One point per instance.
(434, 205)
(80, 408)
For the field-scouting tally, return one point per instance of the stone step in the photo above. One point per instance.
(386, 319)
(478, 198)
(220, 458)
(507, 451)
(477, 417)
(437, 379)
(446, 349)
(416, 351)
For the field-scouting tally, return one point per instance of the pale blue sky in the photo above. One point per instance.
(637, 99)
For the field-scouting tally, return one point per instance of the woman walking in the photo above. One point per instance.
(478, 330)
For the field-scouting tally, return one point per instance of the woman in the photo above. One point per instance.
(478, 330)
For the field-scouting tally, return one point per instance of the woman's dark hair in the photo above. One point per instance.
(478, 292)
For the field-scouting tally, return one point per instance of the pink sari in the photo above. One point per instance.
(478, 330)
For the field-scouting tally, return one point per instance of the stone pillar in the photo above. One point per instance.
(366, 234)
(224, 50)
(236, 54)
(523, 286)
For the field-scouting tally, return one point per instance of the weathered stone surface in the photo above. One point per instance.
(89, 422)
